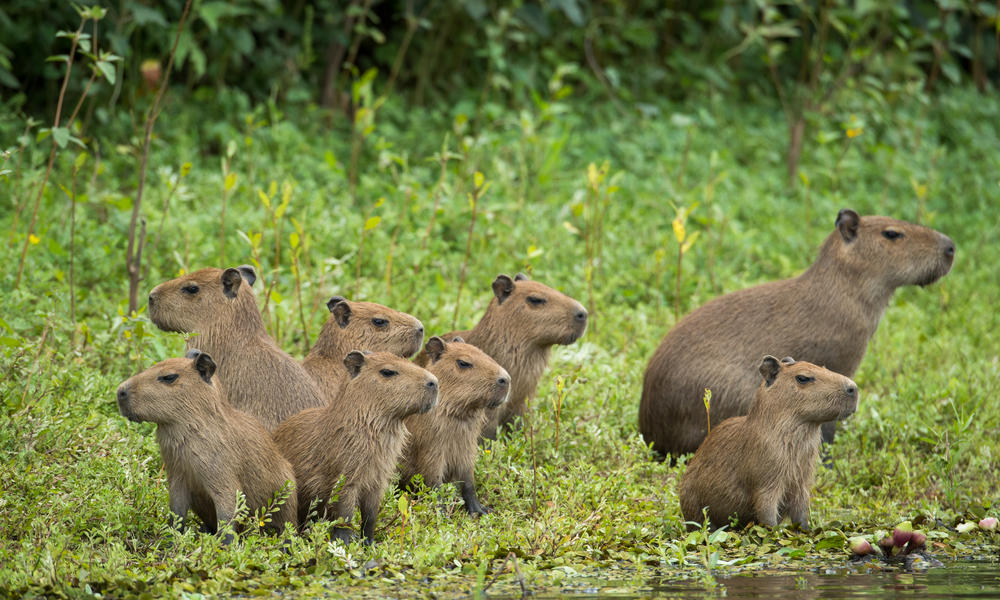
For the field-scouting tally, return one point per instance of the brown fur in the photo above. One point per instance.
(360, 439)
(761, 467)
(362, 326)
(211, 450)
(442, 446)
(257, 376)
(519, 335)
(825, 316)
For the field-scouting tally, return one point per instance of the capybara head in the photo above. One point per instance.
(370, 326)
(390, 384)
(170, 390)
(548, 316)
(808, 393)
(199, 300)
(890, 251)
(470, 379)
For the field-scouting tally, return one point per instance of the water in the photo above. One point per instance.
(953, 580)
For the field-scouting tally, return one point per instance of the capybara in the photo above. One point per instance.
(442, 445)
(364, 326)
(358, 440)
(211, 450)
(824, 316)
(760, 467)
(220, 306)
(524, 320)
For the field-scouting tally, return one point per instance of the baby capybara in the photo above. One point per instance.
(825, 316)
(760, 467)
(442, 445)
(364, 326)
(211, 451)
(523, 321)
(358, 440)
(219, 305)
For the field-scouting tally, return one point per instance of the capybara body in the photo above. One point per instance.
(760, 467)
(220, 306)
(363, 326)
(523, 321)
(442, 445)
(211, 450)
(358, 441)
(825, 316)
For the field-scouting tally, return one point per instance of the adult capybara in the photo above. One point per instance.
(523, 321)
(356, 442)
(219, 305)
(442, 445)
(364, 326)
(760, 467)
(211, 451)
(825, 316)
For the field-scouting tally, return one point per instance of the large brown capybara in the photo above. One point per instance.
(364, 326)
(760, 467)
(219, 305)
(523, 321)
(351, 448)
(442, 446)
(824, 316)
(211, 451)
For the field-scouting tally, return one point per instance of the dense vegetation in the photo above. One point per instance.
(419, 207)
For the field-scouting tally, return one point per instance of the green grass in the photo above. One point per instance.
(84, 507)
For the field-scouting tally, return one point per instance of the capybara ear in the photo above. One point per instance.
(341, 312)
(503, 286)
(458, 339)
(231, 280)
(205, 366)
(354, 361)
(520, 277)
(248, 273)
(434, 348)
(192, 353)
(333, 301)
(788, 360)
(847, 224)
(769, 369)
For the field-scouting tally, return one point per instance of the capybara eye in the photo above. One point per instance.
(535, 300)
(167, 378)
(891, 234)
(463, 364)
(377, 322)
(804, 379)
(190, 289)
(388, 373)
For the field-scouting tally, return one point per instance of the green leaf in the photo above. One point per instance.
(108, 70)
(61, 136)
(372, 223)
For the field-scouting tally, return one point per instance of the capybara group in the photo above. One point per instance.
(442, 446)
(760, 467)
(523, 321)
(351, 447)
(211, 451)
(220, 307)
(364, 326)
(825, 316)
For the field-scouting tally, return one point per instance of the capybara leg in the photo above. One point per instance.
(369, 513)
(798, 509)
(180, 502)
(468, 487)
(765, 504)
(343, 511)
(225, 508)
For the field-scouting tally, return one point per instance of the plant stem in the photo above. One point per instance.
(465, 261)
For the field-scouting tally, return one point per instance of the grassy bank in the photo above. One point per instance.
(84, 504)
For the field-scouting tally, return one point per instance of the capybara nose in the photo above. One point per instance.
(851, 390)
(122, 394)
(150, 300)
(420, 330)
(502, 381)
(581, 316)
(431, 385)
(949, 250)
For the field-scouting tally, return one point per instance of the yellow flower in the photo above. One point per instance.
(34, 239)
(854, 132)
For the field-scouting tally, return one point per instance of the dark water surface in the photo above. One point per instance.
(954, 580)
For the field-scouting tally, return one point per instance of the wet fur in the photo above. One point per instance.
(761, 466)
(258, 377)
(825, 316)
